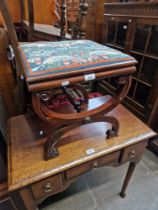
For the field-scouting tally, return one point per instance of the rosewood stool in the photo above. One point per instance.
(52, 68)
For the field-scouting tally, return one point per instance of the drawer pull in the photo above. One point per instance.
(132, 155)
(95, 165)
(48, 187)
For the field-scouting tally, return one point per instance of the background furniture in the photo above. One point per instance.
(37, 31)
(14, 56)
(95, 19)
(133, 28)
(81, 152)
(72, 12)
(33, 30)
(7, 82)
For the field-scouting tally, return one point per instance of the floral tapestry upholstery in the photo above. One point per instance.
(43, 58)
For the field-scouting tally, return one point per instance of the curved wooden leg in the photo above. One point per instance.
(50, 150)
(127, 179)
(113, 121)
(79, 118)
(115, 127)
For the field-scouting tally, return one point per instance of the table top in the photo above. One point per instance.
(26, 162)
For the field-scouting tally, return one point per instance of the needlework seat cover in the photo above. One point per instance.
(67, 57)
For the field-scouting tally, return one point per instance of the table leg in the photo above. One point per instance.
(127, 179)
(28, 199)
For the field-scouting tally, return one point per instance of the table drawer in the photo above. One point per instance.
(132, 153)
(81, 169)
(47, 187)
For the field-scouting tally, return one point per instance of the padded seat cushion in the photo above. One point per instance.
(62, 58)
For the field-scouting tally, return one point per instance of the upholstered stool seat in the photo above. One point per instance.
(69, 61)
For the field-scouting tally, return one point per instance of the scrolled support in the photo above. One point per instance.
(67, 122)
(50, 150)
(101, 110)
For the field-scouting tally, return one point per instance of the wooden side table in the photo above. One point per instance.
(81, 150)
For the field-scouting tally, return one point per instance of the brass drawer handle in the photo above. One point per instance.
(94, 165)
(48, 187)
(132, 155)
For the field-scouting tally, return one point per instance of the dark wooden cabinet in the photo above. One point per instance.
(133, 28)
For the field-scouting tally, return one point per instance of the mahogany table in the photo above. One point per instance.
(81, 150)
